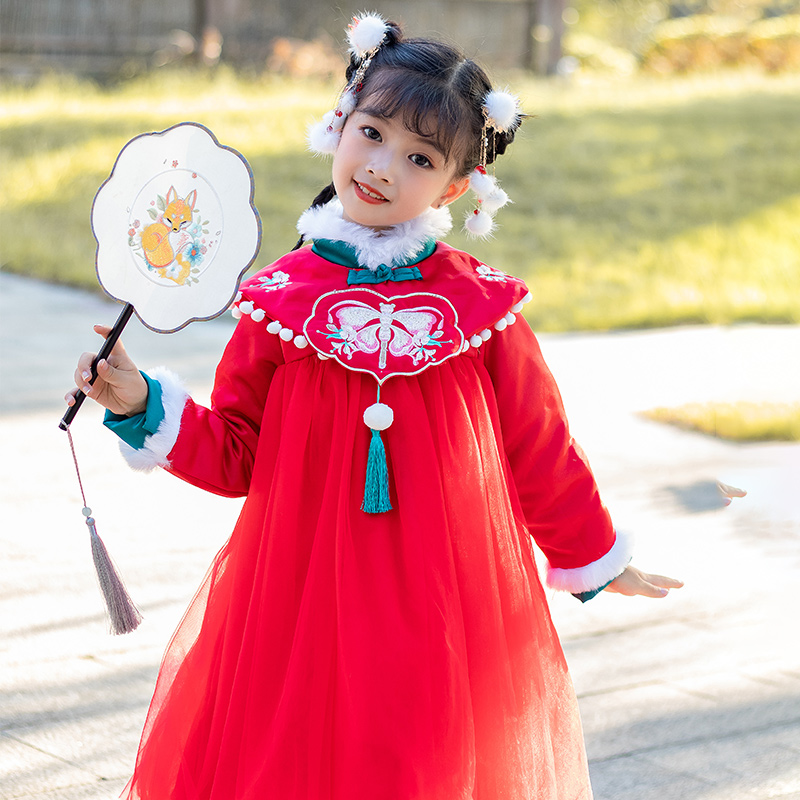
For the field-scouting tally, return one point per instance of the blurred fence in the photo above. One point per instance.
(100, 36)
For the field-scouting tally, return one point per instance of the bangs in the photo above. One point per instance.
(427, 107)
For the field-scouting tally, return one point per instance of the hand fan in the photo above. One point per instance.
(176, 230)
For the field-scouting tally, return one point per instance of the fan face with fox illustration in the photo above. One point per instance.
(182, 236)
(160, 224)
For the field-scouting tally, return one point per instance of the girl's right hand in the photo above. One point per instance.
(119, 385)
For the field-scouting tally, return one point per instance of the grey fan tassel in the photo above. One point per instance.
(123, 615)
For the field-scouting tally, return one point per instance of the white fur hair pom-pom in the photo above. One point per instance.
(479, 223)
(502, 110)
(321, 139)
(482, 184)
(347, 103)
(366, 32)
(496, 200)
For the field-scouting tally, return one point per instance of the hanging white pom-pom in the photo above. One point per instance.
(366, 33)
(235, 313)
(482, 184)
(321, 137)
(347, 104)
(378, 416)
(258, 315)
(479, 223)
(502, 110)
(496, 200)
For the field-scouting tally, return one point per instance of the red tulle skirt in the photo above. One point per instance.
(335, 655)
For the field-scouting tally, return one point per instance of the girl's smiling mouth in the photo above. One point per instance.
(368, 194)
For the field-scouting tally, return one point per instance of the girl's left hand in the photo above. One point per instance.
(633, 581)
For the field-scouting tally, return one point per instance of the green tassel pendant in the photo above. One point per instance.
(376, 486)
(378, 417)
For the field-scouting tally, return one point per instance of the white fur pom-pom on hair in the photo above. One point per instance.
(321, 137)
(479, 223)
(502, 110)
(481, 183)
(347, 105)
(496, 200)
(366, 33)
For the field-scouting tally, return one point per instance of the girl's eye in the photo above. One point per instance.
(371, 133)
(420, 160)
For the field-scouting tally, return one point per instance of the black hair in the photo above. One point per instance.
(438, 94)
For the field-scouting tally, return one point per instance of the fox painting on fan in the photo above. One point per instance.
(158, 251)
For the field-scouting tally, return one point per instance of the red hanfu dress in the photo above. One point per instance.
(333, 654)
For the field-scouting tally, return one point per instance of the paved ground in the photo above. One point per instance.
(694, 697)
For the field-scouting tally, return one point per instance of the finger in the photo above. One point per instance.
(663, 581)
(108, 373)
(118, 354)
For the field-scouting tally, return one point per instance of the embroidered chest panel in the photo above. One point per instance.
(368, 331)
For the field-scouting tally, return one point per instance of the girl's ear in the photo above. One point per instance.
(453, 192)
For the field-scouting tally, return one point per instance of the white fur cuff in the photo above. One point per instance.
(596, 574)
(159, 445)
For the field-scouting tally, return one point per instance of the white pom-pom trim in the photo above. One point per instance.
(246, 307)
(510, 318)
(502, 110)
(258, 315)
(235, 313)
(366, 33)
(274, 327)
(287, 334)
(501, 324)
(378, 416)
(485, 334)
(475, 340)
(300, 342)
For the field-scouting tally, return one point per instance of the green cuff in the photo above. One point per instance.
(584, 596)
(135, 429)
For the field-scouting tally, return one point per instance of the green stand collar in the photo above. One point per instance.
(345, 255)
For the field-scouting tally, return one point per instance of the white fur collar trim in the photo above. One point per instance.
(373, 248)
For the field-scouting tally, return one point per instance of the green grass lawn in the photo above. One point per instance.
(740, 422)
(637, 202)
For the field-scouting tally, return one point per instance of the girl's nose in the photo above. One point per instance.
(381, 168)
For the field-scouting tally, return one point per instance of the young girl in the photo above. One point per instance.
(375, 627)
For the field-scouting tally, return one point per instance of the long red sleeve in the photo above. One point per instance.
(556, 489)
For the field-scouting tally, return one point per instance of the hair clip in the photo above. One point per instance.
(501, 112)
(365, 35)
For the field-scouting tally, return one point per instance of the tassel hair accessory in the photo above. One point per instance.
(501, 114)
(365, 35)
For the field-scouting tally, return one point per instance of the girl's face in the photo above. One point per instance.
(385, 174)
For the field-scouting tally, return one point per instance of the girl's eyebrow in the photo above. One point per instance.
(429, 141)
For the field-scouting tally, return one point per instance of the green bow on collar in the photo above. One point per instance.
(345, 255)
